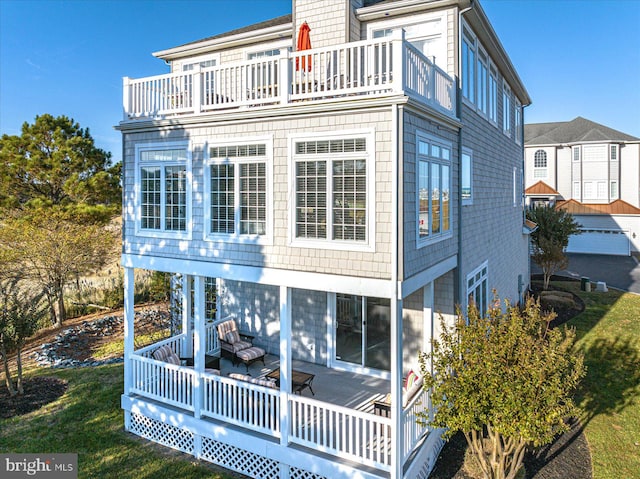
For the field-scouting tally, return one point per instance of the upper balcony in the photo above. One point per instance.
(368, 68)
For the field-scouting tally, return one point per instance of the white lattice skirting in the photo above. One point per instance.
(230, 457)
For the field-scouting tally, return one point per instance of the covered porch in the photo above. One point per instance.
(337, 420)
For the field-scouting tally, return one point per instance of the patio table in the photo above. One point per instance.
(299, 380)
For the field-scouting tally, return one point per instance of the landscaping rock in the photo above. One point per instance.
(56, 354)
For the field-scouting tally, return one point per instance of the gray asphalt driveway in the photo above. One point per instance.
(622, 272)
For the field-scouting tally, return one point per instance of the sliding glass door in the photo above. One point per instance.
(362, 338)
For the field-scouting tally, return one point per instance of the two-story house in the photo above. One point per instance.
(591, 171)
(332, 202)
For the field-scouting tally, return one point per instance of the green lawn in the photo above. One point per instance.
(88, 420)
(608, 333)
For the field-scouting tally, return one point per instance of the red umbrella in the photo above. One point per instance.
(304, 43)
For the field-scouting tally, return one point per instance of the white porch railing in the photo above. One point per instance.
(175, 342)
(369, 67)
(164, 382)
(244, 404)
(413, 423)
(335, 430)
(340, 431)
(211, 337)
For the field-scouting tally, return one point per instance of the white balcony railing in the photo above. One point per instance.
(366, 68)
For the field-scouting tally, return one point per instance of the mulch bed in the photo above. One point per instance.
(38, 391)
(568, 457)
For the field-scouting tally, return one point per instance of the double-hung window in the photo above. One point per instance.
(332, 192)
(162, 178)
(237, 185)
(433, 200)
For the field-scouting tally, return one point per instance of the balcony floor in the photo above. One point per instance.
(355, 391)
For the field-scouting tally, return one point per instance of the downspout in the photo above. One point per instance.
(458, 281)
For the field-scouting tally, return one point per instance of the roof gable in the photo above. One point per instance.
(575, 131)
(541, 188)
(617, 207)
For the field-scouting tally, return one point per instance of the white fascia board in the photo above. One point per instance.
(326, 282)
(277, 32)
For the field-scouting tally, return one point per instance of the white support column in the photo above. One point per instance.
(187, 345)
(397, 435)
(428, 330)
(219, 299)
(199, 343)
(129, 331)
(285, 362)
(427, 320)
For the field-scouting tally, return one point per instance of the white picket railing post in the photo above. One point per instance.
(126, 98)
(196, 89)
(284, 77)
(399, 61)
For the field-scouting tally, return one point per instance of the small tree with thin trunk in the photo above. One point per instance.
(49, 250)
(21, 312)
(550, 239)
(505, 380)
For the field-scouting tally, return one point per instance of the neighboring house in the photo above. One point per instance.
(334, 202)
(592, 171)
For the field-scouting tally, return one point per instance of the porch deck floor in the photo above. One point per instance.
(342, 388)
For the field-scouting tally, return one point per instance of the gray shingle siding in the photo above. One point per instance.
(418, 259)
(494, 157)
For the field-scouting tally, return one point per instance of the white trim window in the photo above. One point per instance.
(614, 168)
(466, 174)
(518, 121)
(238, 188)
(576, 190)
(478, 288)
(433, 198)
(483, 82)
(333, 192)
(576, 153)
(493, 94)
(427, 33)
(163, 190)
(468, 65)
(506, 109)
(204, 61)
(540, 164)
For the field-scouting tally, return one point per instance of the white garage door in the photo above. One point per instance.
(598, 241)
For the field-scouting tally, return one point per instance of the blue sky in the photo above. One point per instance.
(68, 57)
